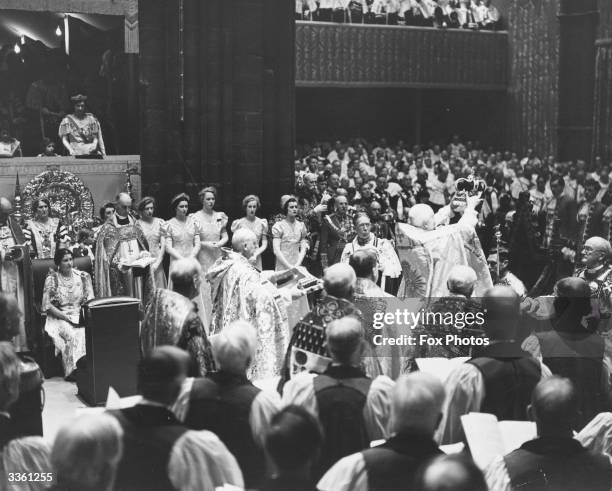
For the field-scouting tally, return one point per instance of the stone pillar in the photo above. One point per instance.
(233, 62)
(578, 32)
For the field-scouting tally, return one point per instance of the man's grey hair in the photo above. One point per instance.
(235, 346)
(241, 236)
(184, 273)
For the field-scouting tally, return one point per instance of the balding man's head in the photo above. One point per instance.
(461, 280)
(501, 306)
(235, 346)
(450, 473)
(416, 404)
(244, 242)
(345, 340)
(422, 216)
(554, 407)
(124, 200)
(595, 252)
(161, 374)
(185, 275)
(364, 262)
(572, 302)
(339, 280)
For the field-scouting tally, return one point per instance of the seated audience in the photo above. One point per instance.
(228, 404)
(450, 473)
(500, 378)
(554, 460)
(9, 147)
(86, 453)
(293, 445)
(159, 452)
(48, 148)
(416, 410)
(352, 408)
(172, 318)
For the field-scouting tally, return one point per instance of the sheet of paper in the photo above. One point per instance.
(440, 367)
(515, 433)
(483, 436)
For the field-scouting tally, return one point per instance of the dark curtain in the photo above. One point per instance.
(602, 121)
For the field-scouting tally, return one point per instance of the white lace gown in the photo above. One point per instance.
(67, 295)
(154, 233)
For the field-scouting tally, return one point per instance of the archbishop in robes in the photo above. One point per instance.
(119, 245)
(241, 292)
(428, 252)
(16, 273)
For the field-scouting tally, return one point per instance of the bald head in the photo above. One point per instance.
(124, 200)
(339, 280)
(451, 473)
(345, 340)
(185, 275)
(461, 280)
(421, 216)
(501, 306)
(554, 406)
(244, 241)
(596, 251)
(416, 403)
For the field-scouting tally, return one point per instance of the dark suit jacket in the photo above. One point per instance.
(332, 243)
(150, 432)
(7, 431)
(567, 211)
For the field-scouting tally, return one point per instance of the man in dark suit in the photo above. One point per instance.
(562, 226)
(337, 231)
(150, 428)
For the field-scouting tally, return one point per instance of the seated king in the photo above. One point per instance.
(122, 263)
(241, 292)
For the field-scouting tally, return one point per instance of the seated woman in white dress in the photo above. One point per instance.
(65, 290)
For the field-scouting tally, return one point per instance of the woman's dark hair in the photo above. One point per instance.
(144, 202)
(104, 208)
(177, 201)
(46, 142)
(60, 254)
(286, 205)
(359, 216)
(37, 202)
(293, 438)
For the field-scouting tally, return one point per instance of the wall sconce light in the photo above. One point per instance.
(17, 49)
(58, 31)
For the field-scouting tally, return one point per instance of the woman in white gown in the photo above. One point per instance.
(289, 236)
(66, 290)
(153, 230)
(213, 236)
(259, 226)
(183, 240)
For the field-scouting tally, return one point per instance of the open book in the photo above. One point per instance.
(141, 262)
(440, 367)
(488, 438)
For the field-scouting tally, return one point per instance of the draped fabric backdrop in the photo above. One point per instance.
(602, 120)
(217, 89)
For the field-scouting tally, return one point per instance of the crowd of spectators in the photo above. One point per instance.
(219, 431)
(466, 14)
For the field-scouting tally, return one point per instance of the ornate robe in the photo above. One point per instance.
(173, 319)
(16, 279)
(240, 292)
(428, 256)
(115, 245)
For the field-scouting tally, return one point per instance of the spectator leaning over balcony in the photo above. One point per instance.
(356, 11)
(491, 17)
(324, 13)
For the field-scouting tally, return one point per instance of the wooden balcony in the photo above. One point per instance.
(358, 55)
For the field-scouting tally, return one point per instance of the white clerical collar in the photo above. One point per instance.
(596, 270)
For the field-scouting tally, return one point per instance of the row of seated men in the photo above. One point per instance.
(413, 414)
